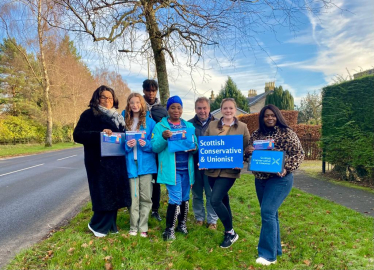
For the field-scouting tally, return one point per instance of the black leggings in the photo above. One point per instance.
(220, 199)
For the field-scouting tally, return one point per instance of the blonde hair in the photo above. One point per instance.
(228, 99)
(129, 116)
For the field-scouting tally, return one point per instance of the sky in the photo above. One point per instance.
(338, 41)
(305, 61)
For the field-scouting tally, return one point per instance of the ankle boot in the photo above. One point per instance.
(171, 219)
(182, 218)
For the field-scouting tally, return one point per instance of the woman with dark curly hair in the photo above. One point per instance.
(107, 176)
(272, 189)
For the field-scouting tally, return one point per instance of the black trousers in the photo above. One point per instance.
(104, 222)
(220, 199)
(156, 195)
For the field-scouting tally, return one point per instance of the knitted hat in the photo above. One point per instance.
(173, 99)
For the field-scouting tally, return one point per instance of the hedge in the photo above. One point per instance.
(309, 135)
(348, 127)
(21, 129)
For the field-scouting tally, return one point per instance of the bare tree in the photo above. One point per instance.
(115, 81)
(164, 27)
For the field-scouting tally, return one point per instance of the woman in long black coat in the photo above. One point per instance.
(107, 176)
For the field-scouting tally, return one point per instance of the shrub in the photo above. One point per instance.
(347, 127)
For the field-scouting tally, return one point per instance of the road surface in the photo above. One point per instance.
(37, 193)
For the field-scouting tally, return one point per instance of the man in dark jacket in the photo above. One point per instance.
(201, 122)
(156, 112)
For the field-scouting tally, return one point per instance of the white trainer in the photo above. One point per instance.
(133, 233)
(97, 234)
(263, 261)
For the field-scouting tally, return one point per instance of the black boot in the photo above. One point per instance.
(171, 219)
(182, 218)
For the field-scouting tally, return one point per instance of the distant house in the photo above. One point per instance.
(217, 113)
(257, 102)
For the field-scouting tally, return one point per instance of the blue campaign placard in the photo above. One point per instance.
(221, 152)
(267, 161)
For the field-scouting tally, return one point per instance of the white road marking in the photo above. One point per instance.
(22, 169)
(67, 157)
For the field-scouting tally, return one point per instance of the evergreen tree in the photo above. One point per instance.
(281, 98)
(19, 91)
(230, 90)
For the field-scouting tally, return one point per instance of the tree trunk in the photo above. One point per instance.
(45, 79)
(156, 42)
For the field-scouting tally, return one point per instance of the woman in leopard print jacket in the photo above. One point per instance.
(272, 189)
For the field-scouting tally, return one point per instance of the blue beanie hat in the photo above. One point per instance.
(173, 99)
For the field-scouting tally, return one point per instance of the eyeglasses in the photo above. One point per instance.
(106, 98)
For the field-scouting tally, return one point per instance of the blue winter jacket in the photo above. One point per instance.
(166, 160)
(146, 157)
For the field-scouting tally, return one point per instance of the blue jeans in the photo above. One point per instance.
(181, 191)
(271, 194)
(201, 184)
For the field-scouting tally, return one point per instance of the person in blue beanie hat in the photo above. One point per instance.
(175, 170)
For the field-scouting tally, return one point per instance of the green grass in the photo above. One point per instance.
(24, 149)
(314, 169)
(316, 234)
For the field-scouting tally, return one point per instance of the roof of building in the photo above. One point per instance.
(238, 109)
(254, 100)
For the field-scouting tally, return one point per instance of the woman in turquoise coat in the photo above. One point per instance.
(175, 170)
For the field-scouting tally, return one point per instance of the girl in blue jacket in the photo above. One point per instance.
(140, 162)
(175, 170)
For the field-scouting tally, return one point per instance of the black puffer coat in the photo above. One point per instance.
(107, 176)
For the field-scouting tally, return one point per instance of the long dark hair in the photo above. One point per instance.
(281, 122)
(94, 102)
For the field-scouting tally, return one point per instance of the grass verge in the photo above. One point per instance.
(316, 234)
(25, 149)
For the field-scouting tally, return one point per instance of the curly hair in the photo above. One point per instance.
(129, 115)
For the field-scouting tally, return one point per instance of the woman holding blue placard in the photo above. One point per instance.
(141, 162)
(221, 180)
(175, 170)
(272, 189)
(107, 176)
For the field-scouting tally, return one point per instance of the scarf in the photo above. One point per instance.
(113, 115)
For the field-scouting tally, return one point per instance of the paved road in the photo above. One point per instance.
(37, 193)
(359, 200)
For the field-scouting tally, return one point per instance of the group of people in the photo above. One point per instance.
(133, 180)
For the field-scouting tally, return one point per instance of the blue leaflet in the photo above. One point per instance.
(112, 145)
(181, 140)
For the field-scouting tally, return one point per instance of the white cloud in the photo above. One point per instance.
(345, 39)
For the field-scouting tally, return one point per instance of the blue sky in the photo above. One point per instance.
(303, 61)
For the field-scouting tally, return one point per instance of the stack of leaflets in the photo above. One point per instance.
(112, 145)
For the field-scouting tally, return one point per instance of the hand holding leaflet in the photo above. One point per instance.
(181, 140)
